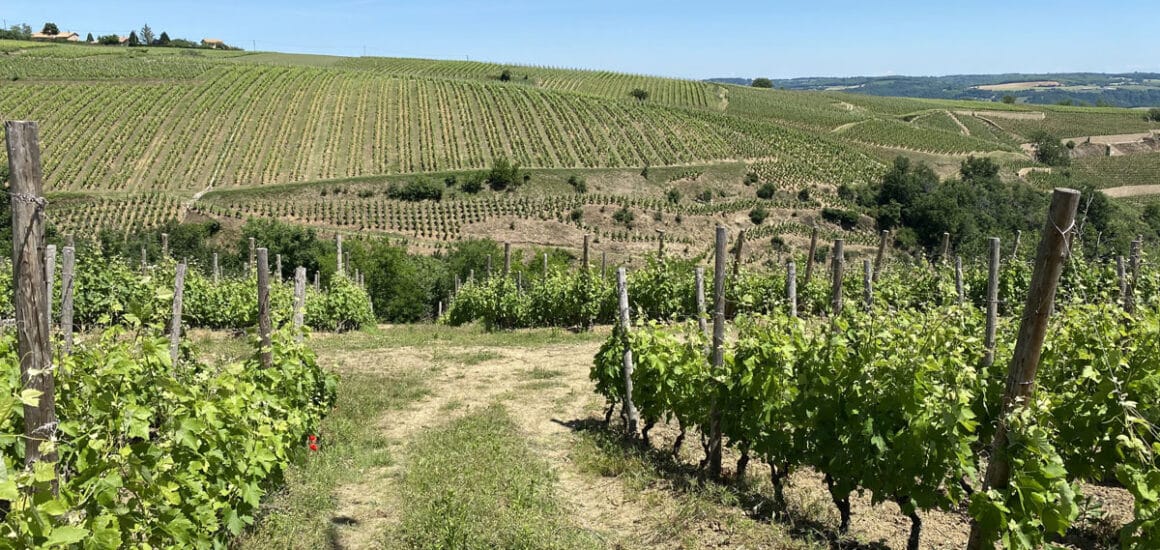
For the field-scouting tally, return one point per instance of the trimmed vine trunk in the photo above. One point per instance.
(915, 522)
(743, 462)
(680, 439)
(777, 477)
(648, 425)
(843, 505)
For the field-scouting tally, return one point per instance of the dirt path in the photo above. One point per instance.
(962, 127)
(544, 389)
(1132, 191)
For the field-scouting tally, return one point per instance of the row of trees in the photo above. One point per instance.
(143, 37)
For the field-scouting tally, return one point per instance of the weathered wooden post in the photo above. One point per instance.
(992, 302)
(144, 261)
(338, 246)
(299, 301)
(265, 327)
(1134, 278)
(603, 265)
(811, 254)
(1015, 248)
(1122, 273)
(630, 413)
(49, 282)
(278, 267)
(791, 287)
(164, 246)
(545, 265)
(216, 269)
(883, 237)
(250, 266)
(837, 269)
(1049, 260)
(584, 254)
(702, 313)
(718, 351)
(507, 259)
(489, 267)
(959, 280)
(32, 336)
(67, 278)
(317, 282)
(946, 248)
(660, 244)
(439, 311)
(868, 284)
(175, 321)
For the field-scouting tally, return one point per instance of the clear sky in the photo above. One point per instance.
(742, 38)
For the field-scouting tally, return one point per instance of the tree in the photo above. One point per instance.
(978, 169)
(503, 174)
(109, 40)
(1049, 150)
(578, 183)
(133, 40)
(639, 93)
(624, 216)
(89, 38)
(164, 39)
(758, 214)
(472, 184)
(1009, 99)
(50, 29)
(505, 76)
(762, 83)
(147, 35)
(1154, 114)
(766, 191)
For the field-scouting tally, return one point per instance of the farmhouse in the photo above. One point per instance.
(63, 36)
(212, 43)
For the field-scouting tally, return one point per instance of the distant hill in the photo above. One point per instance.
(1095, 89)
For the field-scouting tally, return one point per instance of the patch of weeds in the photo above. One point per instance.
(452, 405)
(475, 483)
(299, 515)
(434, 335)
(541, 373)
(465, 358)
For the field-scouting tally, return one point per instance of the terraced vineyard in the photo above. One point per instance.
(1143, 169)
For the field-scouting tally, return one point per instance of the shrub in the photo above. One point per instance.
(705, 196)
(1049, 150)
(624, 216)
(758, 215)
(751, 178)
(576, 215)
(504, 174)
(505, 76)
(766, 191)
(421, 189)
(804, 194)
(845, 218)
(450, 181)
(1153, 114)
(639, 94)
(673, 196)
(762, 83)
(473, 184)
(578, 183)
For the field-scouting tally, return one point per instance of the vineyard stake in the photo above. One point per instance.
(338, 245)
(882, 236)
(718, 357)
(1134, 265)
(603, 265)
(992, 302)
(264, 324)
(175, 322)
(278, 267)
(660, 244)
(49, 281)
(216, 269)
(252, 251)
(439, 311)
(791, 287)
(630, 414)
(946, 248)
(812, 254)
(699, 280)
(144, 261)
(1096, 250)
(164, 245)
(1122, 273)
(868, 283)
(837, 268)
(67, 276)
(1049, 259)
(584, 254)
(507, 259)
(317, 282)
(489, 267)
(1015, 248)
(737, 253)
(36, 373)
(545, 265)
(959, 280)
(299, 300)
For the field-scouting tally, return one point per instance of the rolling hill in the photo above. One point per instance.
(134, 137)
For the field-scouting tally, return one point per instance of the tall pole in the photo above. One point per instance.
(791, 287)
(718, 351)
(1049, 260)
(630, 414)
(882, 238)
(265, 327)
(837, 268)
(992, 302)
(812, 253)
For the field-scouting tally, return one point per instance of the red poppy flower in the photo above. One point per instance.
(312, 438)
(313, 446)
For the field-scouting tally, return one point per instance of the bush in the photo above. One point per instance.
(766, 191)
(578, 183)
(473, 184)
(751, 178)
(673, 196)
(504, 174)
(450, 181)
(804, 194)
(1153, 114)
(1049, 150)
(639, 94)
(421, 189)
(576, 214)
(505, 76)
(758, 215)
(705, 196)
(845, 218)
(762, 83)
(624, 216)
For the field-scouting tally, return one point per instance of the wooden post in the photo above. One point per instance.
(36, 373)
(882, 238)
(1049, 260)
(603, 265)
(175, 322)
(471, 276)
(144, 261)
(489, 266)
(317, 282)
(164, 246)
(660, 244)
(545, 265)
(49, 282)
(718, 351)
(299, 301)
(1096, 250)
(630, 414)
(1122, 272)
(959, 280)
(216, 269)
(250, 267)
(67, 278)
(458, 284)
(992, 302)
(737, 253)
(699, 281)
(584, 254)
(278, 267)
(265, 327)
(868, 284)
(811, 255)
(946, 248)
(791, 287)
(507, 259)
(439, 311)
(338, 245)
(1015, 248)
(1134, 278)
(837, 269)
(520, 282)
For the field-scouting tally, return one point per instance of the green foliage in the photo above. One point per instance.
(578, 183)
(673, 196)
(418, 189)
(1048, 149)
(158, 454)
(133, 39)
(758, 214)
(624, 216)
(109, 40)
(767, 191)
(1153, 114)
(1009, 99)
(639, 94)
(504, 175)
(50, 28)
(845, 218)
(762, 83)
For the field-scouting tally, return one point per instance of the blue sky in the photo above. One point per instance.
(704, 39)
